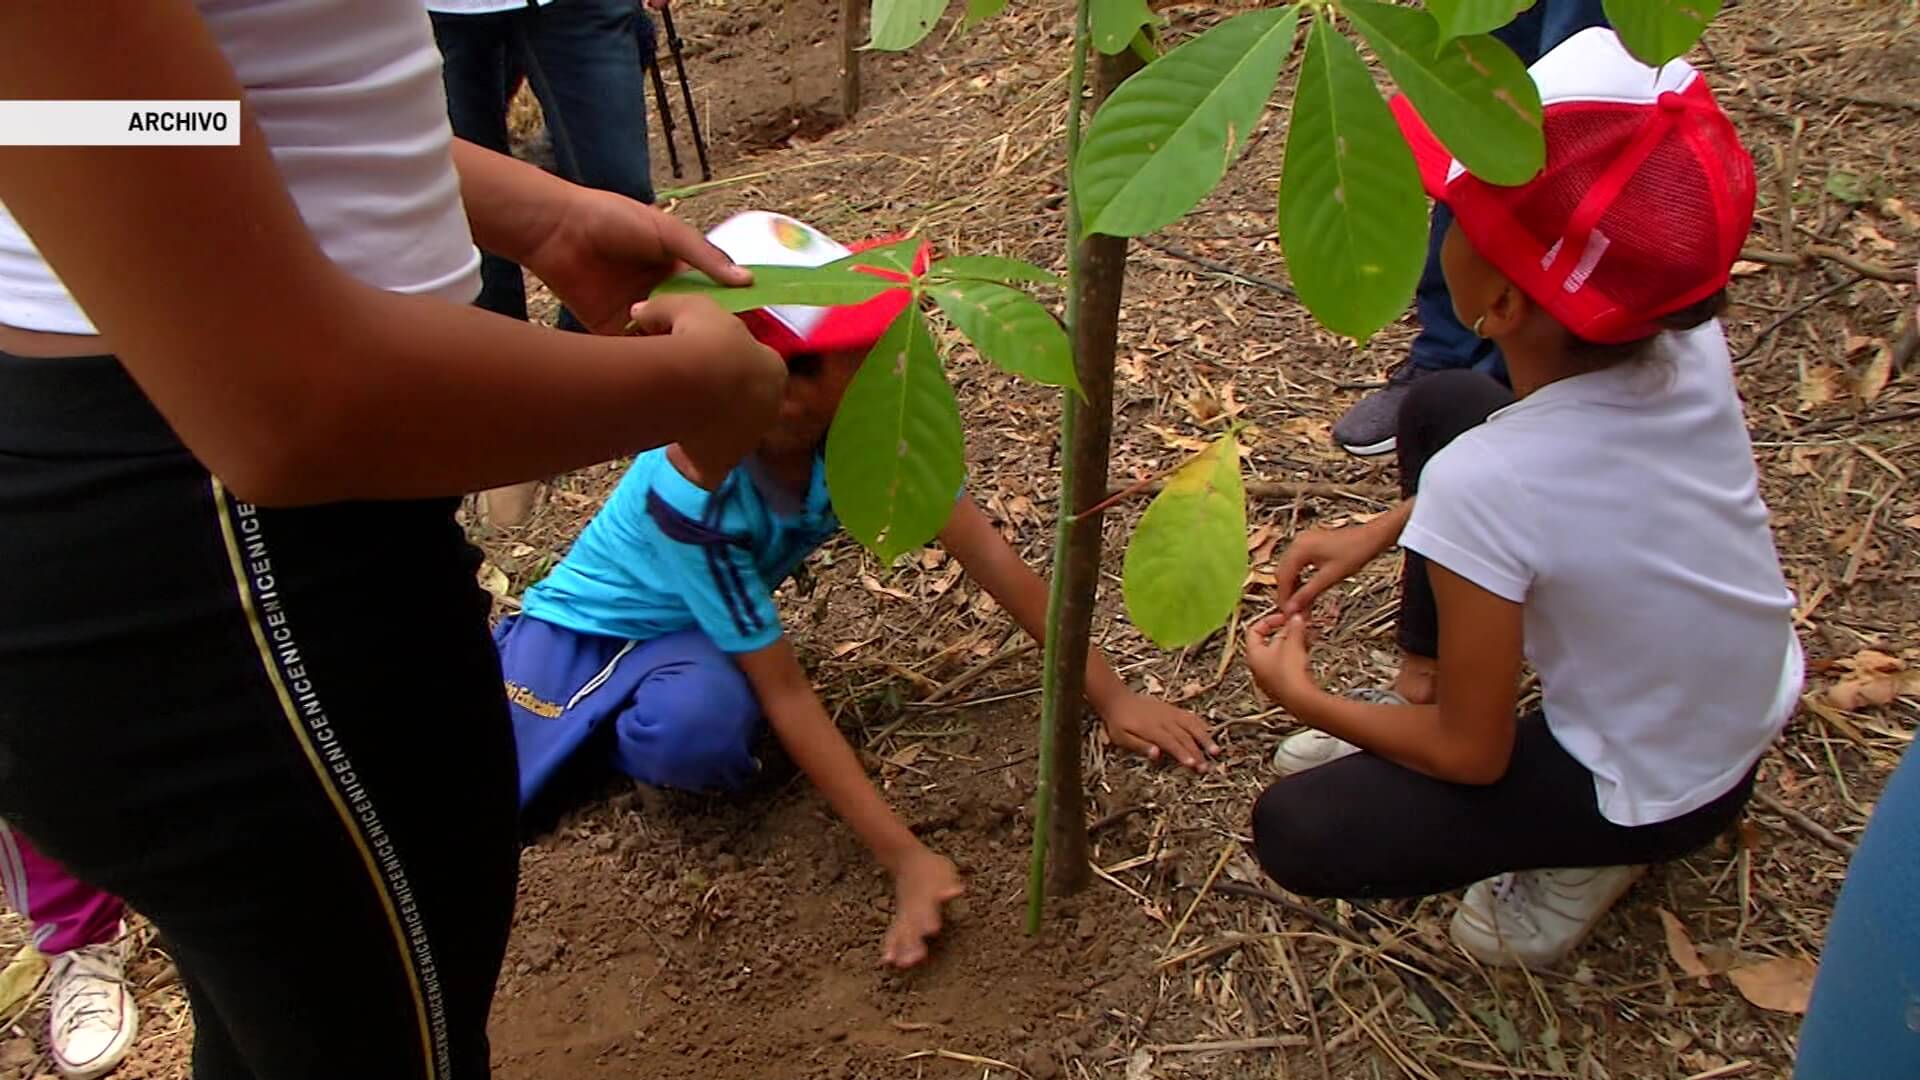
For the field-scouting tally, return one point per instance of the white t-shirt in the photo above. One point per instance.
(348, 94)
(480, 7)
(1622, 508)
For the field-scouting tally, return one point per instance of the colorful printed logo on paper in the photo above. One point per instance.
(792, 235)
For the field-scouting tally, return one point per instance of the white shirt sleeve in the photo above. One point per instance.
(1473, 517)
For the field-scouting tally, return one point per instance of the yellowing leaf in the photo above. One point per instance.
(21, 976)
(1680, 947)
(1780, 985)
(1188, 558)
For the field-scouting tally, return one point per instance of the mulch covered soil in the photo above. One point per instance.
(679, 937)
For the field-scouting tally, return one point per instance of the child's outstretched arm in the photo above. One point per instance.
(1334, 555)
(922, 880)
(1135, 722)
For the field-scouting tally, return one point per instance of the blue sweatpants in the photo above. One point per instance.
(683, 714)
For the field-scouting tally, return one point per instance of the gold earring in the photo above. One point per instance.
(1477, 323)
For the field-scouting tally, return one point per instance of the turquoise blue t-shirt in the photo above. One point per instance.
(666, 555)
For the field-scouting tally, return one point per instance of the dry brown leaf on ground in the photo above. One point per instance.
(494, 580)
(1895, 208)
(1680, 947)
(1878, 372)
(1783, 984)
(1912, 522)
(1821, 385)
(1874, 678)
(1747, 268)
(1869, 236)
(873, 586)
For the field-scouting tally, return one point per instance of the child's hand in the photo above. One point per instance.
(1277, 655)
(1149, 726)
(922, 886)
(741, 371)
(606, 250)
(1334, 555)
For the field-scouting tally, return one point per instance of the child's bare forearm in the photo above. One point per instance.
(992, 562)
(823, 754)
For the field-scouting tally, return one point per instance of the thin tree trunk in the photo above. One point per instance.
(850, 18)
(1088, 431)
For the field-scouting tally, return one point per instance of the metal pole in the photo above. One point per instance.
(650, 60)
(686, 92)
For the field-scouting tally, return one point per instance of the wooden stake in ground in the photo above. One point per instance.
(850, 12)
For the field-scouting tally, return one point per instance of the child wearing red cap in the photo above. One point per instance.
(1602, 521)
(657, 641)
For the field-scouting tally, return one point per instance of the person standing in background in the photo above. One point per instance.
(582, 58)
(1444, 343)
(91, 1015)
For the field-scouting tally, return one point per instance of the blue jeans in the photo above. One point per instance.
(1443, 343)
(583, 59)
(1865, 1017)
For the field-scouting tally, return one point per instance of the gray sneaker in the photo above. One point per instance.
(1371, 427)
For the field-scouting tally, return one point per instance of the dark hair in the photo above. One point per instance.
(805, 365)
(1595, 356)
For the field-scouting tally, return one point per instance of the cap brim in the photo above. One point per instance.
(1434, 160)
(858, 327)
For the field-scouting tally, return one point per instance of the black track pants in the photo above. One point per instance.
(280, 734)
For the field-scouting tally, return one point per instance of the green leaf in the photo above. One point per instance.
(1656, 31)
(1472, 91)
(1353, 217)
(819, 286)
(1010, 329)
(991, 268)
(1459, 18)
(1187, 560)
(1848, 187)
(895, 455)
(979, 11)
(898, 256)
(1167, 135)
(900, 24)
(1115, 22)
(1504, 1031)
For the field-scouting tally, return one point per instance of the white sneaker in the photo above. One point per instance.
(1534, 918)
(92, 1018)
(1311, 749)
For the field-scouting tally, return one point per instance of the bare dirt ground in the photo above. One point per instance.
(703, 938)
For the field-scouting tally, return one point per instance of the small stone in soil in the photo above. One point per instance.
(1040, 1064)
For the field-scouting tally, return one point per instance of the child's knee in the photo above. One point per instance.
(701, 740)
(1297, 839)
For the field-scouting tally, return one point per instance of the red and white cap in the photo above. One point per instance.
(758, 238)
(1641, 209)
